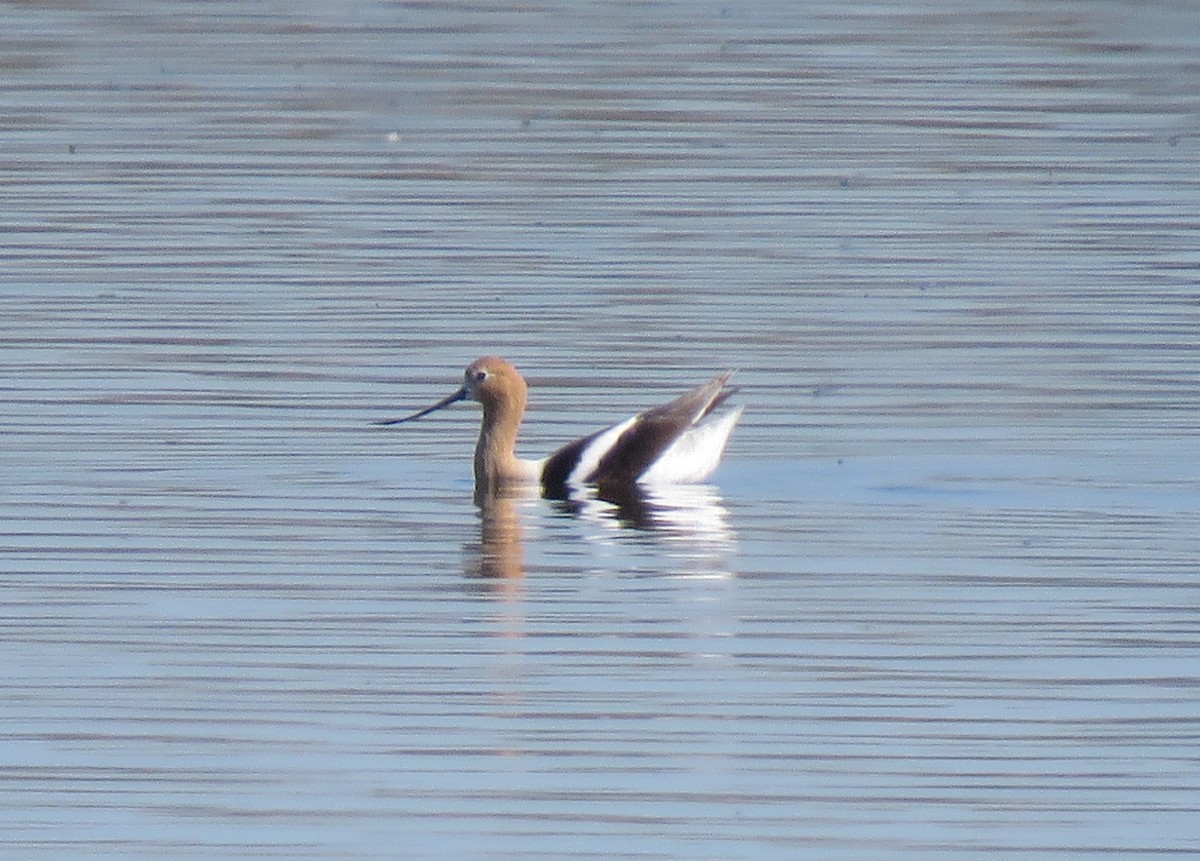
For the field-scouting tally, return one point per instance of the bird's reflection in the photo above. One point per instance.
(682, 512)
(690, 520)
(500, 554)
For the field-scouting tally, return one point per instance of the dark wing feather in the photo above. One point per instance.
(642, 443)
(559, 465)
(655, 430)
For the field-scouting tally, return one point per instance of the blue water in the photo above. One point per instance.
(941, 600)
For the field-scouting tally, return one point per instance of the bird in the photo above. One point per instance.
(679, 442)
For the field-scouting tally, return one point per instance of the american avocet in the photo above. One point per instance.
(668, 444)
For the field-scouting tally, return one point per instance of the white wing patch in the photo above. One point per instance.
(694, 456)
(592, 453)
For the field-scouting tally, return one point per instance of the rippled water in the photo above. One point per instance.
(942, 600)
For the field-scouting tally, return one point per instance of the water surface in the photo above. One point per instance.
(940, 601)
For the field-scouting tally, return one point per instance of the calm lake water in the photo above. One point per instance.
(942, 601)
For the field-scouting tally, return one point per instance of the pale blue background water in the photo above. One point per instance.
(941, 601)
